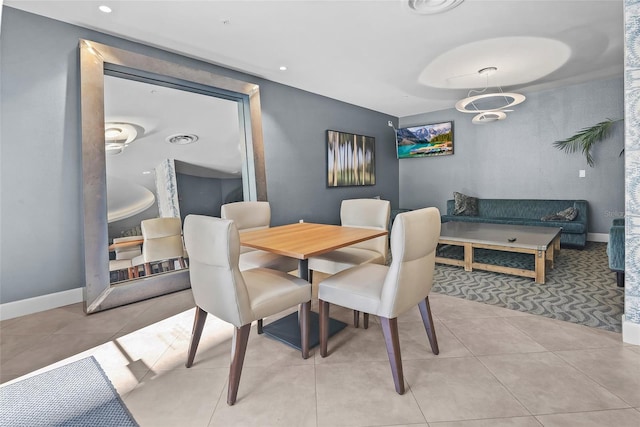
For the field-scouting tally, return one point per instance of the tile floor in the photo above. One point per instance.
(496, 368)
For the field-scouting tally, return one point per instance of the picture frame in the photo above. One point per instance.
(350, 159)
(429, 140)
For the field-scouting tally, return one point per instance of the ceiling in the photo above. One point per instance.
(381, 55)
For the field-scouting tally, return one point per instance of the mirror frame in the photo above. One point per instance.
(95, 59)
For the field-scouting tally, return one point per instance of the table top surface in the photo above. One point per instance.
(127, 244)
(305, 239)
(526, 236)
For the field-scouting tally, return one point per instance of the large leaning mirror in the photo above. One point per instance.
(122, 190)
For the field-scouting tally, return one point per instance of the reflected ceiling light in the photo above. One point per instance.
(431, 7)
(490, 106)
(117, 136)
(182, 139)
(105, 9)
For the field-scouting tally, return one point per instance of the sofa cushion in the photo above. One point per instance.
(465, 205)
(568, 214)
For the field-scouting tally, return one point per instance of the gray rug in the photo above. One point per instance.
(76, 395)
(580, 289)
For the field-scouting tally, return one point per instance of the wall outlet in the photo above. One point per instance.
(582, 173)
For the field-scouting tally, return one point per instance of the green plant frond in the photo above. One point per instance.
(585, 139)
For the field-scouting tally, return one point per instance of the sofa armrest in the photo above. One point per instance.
(618, 221)
(615, 248)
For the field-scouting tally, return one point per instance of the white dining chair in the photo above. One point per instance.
(238, 297)
(389, 291)
(367, 213)
(124, 256)
(162, 243)
(248, 216)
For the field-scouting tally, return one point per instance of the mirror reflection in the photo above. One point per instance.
(169, 153)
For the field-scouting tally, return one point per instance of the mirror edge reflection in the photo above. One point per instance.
(98, 293)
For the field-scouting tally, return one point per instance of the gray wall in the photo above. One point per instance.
(515, 157)
(40, 152)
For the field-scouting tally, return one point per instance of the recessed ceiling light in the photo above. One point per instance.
(105, 9)
(182, 139)
(283, 68)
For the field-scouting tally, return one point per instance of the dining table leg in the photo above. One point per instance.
(303, 269)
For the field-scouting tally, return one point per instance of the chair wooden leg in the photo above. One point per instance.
(198, 325)
(260, 324)
(324, 326)
(392, 340)
(365, 317)
(425, 312)
(238, 350)
(147, 269)
(356, 318)
(305, 326)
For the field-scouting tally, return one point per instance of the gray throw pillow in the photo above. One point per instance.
(464, 205)
(568, 214)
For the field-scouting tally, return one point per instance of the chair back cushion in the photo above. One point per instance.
(162, 239)
(217, 284)
(414, 238)
(367, 213)
(247, 215)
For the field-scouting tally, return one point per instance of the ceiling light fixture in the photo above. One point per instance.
(431, 7)
(182, 139)
(104, 8)
(488, 107)
(283, 68)
(117, 136)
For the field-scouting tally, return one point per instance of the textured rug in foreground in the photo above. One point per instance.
(77, 394)
(580, 288)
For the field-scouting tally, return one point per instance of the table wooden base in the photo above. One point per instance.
(542, 258)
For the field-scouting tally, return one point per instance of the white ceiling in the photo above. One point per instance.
(376, 54)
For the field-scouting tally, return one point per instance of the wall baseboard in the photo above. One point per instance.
(41, 303)
(598, 237)
(630, 332)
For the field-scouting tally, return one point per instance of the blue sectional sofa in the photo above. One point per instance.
(529, 212)
(615, 249)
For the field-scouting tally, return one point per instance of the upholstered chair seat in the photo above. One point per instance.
(389, 291)
(238, 297)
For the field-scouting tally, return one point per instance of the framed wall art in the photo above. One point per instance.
(350, 159)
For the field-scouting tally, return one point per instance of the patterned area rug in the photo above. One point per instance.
(75, 395)
(580, 288)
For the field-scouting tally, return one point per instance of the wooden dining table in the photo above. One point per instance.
(127, 244)
(302, 241)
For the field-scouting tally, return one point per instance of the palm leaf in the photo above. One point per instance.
(585, 139)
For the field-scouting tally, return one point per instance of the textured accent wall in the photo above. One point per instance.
(632, 159)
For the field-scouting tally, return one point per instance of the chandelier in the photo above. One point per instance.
(488, 106)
